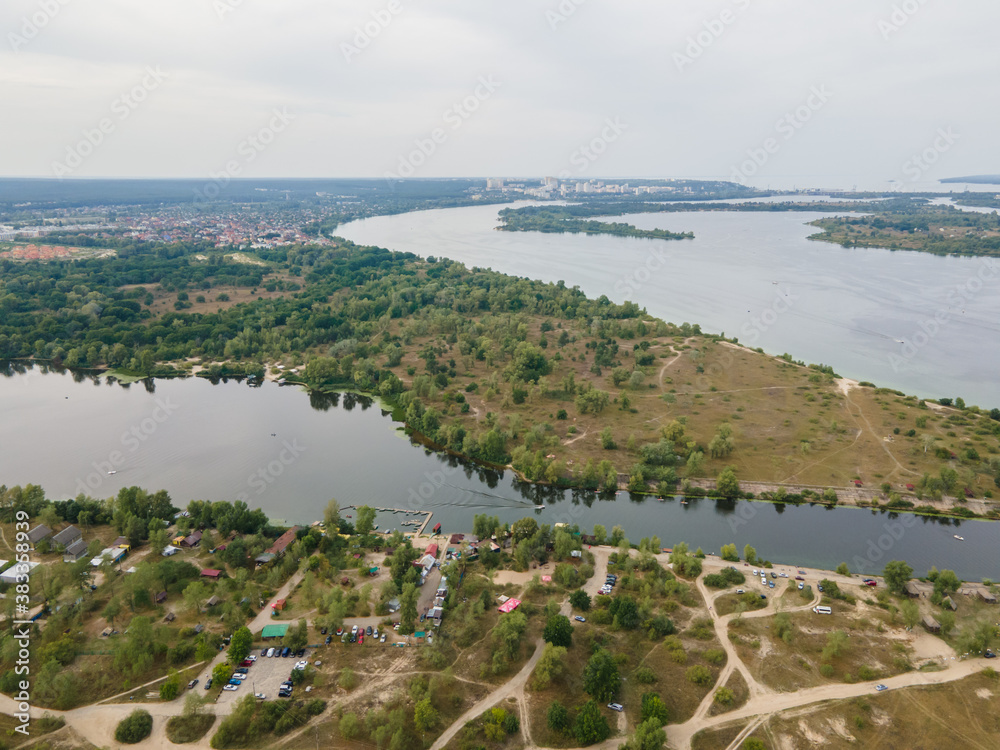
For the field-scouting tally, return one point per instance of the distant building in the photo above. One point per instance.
(191, 541)
(67, 536)
(211, 573)
(931, 625)
(38, 533)
(986, 596)
(282, 542)
(75, 551)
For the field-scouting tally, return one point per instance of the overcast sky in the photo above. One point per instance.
(695, 87)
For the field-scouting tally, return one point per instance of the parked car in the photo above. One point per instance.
(881, 688)
(739, 591)
(361, 638)
(784, 575)
(252, 658)
(382, 639)
(770, 584)
(263, 651)
(230, 686)
(989, 654)
(354, 637)
(328, 639)
(616, 707)
(763, 596)
(799, 578)
(354, 630)
(873, 584)
(286, 652)
(819, 587)
(260, 696)
(802, 572)
(300, 653)
(192, 684)
(773, 574)
(241, 670)
(235, 682)
(208, 684)
(801, 586)
(340, 631)
(375, 632)
(580, 619)
(269, 652)
(368, 631)
(322, 631)
(246, 663)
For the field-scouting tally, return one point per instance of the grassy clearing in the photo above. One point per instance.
(737, 686)
(714, 739)
(965, 714)
(792, 651)
(183, 729)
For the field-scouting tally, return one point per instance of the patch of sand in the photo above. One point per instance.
(881, 718)
(839, 726)
(814, 738)
(984, 693)
(926, 647)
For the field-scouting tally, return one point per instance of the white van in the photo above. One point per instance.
(823, 610)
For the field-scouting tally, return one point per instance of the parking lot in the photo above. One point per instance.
(264, 676)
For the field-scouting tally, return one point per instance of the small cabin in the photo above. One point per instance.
(930, 624)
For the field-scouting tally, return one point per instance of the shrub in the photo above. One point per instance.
(699, 675)
(182, 729)
(135, 727)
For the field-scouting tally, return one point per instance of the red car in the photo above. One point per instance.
(361, 638)
(871, 583)
(246, 663)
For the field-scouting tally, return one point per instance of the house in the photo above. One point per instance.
(931, 625)
(170, 550)
(432, 550)
(213, 602)
(276, 630)
(211, 573)
(263, 558)
(170, 617)
(67, 536)
(38, 533)
(74, 551)
(161, 597)
(121, 541)
(912, 590)
(114, 554)
(986, 596)
(949, 603)
(198, 628)
(278, 605)
(191, 541)
(282, 542)
(392, 605)
(456, 539)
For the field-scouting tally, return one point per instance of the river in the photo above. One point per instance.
(924, 324)
(279, 449)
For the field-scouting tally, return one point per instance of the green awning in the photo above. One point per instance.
(274, 631)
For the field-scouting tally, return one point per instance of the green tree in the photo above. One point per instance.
(550, 665)
(408, 608)
(365, 522)
(590, 725)
(897, 573)
(240, 645)
(653, 708)
(753, 743)
(580, 600)
(727, 484)
(600, 534)
(506, 638)
(331, 516)
(648, 736)
(836, 642)
(158, 541)
(170, 687)
(425, 717)
(729, 553)
(750, 554)
(524, 528)
(557, 717)
(946, 583)
(558, 631)
(699, 675)
(843, 570)
(601, 679)
(221, 674)
(910, 612)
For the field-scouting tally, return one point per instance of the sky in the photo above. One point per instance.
(758, 91)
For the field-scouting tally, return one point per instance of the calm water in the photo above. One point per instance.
(278, 449)
(868, 312)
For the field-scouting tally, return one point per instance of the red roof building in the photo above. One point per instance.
(211, 573)
(282, 542)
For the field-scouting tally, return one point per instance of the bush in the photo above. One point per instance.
(645, 676)
(135, 727)
(182, 729)
(699, 675)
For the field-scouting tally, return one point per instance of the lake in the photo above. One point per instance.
(280, 449)
(921, 323)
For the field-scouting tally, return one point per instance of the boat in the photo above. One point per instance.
(113, 471)
(960, 538)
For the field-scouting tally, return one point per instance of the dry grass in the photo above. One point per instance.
(962, 714)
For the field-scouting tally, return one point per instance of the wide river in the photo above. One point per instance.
(921, 323)
(278, 449)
